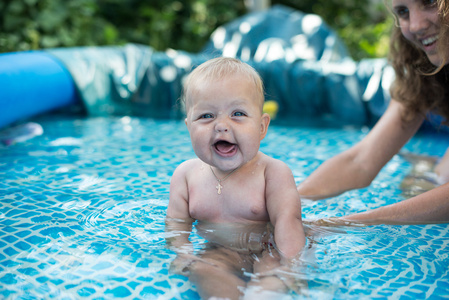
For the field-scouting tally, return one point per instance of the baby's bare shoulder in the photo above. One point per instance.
(273, 164)
(191, 163)
(187, 167)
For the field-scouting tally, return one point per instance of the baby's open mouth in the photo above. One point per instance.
(225, 147)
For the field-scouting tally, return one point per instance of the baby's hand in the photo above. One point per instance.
(180, 265)
(293, 280)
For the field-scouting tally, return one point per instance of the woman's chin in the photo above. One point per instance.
(435, 59)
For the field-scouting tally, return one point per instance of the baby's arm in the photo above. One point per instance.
(178, 224)
(284, 209)
(178, 204)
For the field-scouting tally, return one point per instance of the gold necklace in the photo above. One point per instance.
(219, 186)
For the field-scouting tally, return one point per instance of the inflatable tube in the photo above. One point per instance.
(32, 83)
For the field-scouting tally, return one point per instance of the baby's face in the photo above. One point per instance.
(225, 122)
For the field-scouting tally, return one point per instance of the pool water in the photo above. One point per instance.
(82, 213)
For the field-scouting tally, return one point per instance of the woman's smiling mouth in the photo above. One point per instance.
(429, 41)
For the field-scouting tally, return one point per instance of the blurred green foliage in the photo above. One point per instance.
(363, 25)
(178, 24)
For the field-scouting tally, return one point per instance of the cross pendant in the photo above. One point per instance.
(218, 187)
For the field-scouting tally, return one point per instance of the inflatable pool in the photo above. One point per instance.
(305, 67)
(32, 83)
(83, 206)
(83, 216)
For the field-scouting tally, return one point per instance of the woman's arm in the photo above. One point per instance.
(442, 169)
(429, 207)
(359, 165)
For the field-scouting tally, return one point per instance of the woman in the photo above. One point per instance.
(419, 55)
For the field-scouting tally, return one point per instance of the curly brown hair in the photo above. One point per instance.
(419, 85)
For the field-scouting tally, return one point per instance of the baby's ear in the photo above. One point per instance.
(264, 122)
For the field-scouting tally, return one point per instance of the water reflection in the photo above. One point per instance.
(82, 210)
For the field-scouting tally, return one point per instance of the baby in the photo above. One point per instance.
(246, 202)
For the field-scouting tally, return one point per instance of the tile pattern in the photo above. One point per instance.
(82, 212)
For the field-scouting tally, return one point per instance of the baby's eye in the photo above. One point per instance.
(239, 114)
(206, 116)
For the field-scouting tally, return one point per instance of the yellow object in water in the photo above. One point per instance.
(271, 107)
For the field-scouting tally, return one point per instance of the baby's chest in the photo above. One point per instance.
(230, 206)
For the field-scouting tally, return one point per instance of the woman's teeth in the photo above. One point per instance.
(429, 41)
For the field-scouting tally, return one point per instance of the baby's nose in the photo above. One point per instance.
(221, 126)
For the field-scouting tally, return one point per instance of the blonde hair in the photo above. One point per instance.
(220, 68)
(419, 85)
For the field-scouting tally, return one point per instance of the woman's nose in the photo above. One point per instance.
(418, 21)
